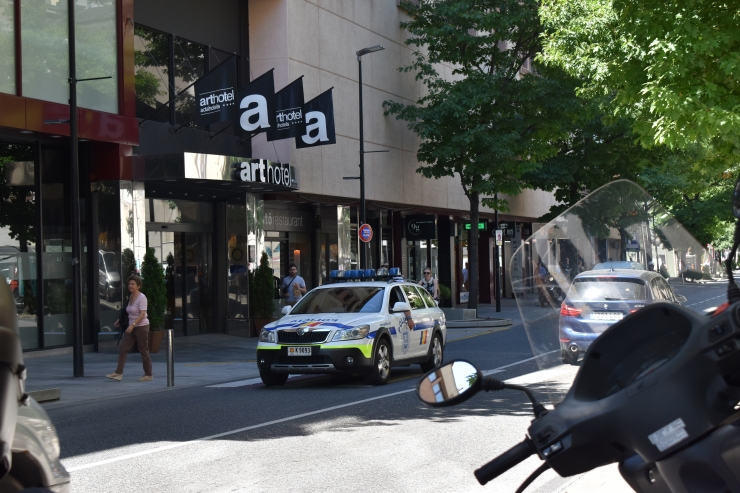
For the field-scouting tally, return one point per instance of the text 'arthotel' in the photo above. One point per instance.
(262, 171)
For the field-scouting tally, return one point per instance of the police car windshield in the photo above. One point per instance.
(341, 299)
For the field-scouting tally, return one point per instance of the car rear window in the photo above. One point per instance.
(342, 299)
(607, 289)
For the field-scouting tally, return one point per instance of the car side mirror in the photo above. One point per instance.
(286, 309)
(681, 298)
(401, 306)
(449, 384)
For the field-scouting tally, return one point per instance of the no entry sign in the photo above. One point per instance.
(366, 233)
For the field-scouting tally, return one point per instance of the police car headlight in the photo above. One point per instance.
(267, 335)
(354, 333)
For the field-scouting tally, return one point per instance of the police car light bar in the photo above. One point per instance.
(366, 274)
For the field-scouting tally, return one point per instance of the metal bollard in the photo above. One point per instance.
(170, 358)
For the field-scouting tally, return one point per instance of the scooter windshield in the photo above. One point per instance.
(611, 254)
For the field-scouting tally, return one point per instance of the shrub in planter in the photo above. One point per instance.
(155, 290)
(445, 295)
(261, 294)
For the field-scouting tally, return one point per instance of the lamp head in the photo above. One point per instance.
(371, 49)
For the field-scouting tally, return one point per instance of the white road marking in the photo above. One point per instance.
(262, 425)
(708, 299)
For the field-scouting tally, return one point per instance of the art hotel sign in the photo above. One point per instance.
(262, 171)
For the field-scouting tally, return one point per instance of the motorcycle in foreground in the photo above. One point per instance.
(29, 445)
(657, 392)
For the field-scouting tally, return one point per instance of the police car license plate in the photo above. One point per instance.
(607, 316)
(299, 351)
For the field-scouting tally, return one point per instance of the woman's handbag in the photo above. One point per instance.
(122, 323)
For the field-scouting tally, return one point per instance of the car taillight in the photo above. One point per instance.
(633, 311)
(569, 311)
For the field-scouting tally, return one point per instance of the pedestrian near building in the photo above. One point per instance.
(136, 332)
(430, 284)
(465, 275)
(293, 287)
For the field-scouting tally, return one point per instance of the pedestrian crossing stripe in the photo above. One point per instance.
(423, 338)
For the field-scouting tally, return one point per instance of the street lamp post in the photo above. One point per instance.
(363, 219)
(74, 190)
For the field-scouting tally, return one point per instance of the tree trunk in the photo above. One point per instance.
(473, 251)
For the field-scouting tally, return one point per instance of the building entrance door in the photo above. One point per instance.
(187, 259)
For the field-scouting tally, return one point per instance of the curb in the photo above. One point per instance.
(46, 395)
(477, 323)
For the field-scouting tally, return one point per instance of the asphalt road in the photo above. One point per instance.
(315, 433)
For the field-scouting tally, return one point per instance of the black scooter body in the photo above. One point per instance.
(656, 384)
(708, 466)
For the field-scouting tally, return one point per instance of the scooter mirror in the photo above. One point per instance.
(736, 199)
(449, 384)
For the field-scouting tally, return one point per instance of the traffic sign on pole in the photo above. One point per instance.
(365, 233)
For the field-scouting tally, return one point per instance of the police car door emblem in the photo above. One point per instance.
(606, 306)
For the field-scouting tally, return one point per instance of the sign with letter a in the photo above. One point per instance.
(257, 106)
(319, 117)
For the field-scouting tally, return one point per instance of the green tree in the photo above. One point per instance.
(594, 149)
(671, 66)
(695, 189)
(155, 289)
(261, 292)
(491, 121)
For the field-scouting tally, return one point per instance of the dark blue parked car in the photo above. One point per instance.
(599, 298)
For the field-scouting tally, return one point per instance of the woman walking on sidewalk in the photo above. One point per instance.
(137, 331)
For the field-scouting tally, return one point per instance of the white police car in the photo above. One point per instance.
(354, 327)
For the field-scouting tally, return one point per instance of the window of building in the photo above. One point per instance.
(97, 54)
(189, 66)
(18, 236)
(7, 47)
(45, 52)
(152, 61)
(166, 68)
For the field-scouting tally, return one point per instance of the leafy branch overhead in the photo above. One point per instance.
(672, 66)
(488, 121)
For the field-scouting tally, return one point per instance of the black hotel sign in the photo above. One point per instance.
(420, 227)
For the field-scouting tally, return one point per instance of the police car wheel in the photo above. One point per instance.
(381, 369)
(436, 354)
(271, 379)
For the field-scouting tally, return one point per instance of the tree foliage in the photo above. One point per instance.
(487, 122)
(670, 65)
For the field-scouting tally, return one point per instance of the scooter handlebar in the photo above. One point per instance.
(505, 461)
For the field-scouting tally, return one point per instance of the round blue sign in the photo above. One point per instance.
(365, 232)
